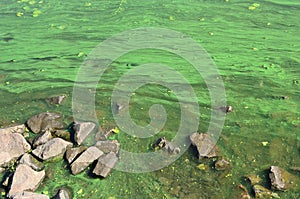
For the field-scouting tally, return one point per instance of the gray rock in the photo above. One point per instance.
(72, 153)
(164, 144)
(57, 99)
(31, 161)
(29, 195)
(104, 133)
(108, 146)
(63, 134)
(105, 164)
(24, 179)
(82, 130)
(42, 138)
(55, 147)
(14, 129)
(85, 159)
(2, 169)
(281, 180)
(62, 194)
(204, 144)
(45, 121)
(12, 146)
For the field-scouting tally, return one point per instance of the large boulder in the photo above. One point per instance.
(85, 159)
(105, 164)
(31, 161)
(12, 146)
(29, 195)
(14, 129)
(82, 130)
(54, 147)
(205, 145)
(45, 121)
(108, 146)
(25, 179)
(280, 179)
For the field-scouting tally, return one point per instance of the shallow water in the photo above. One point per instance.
(256, 52)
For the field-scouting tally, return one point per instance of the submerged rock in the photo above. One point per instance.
(254, 179)
(12, 146)
(29, 195)
(14, 129)
(55, 147)
(85, 159)
(222, 164)
(82, 130)
(42, 138)
(205, 145)
(31, 161)
(45, 121)
(25, 179)
(261, 192)
(280, 179)
(108, 146)
(72, 153)
(57, 99)
(62, 194)
(105, 164)
(164, 144)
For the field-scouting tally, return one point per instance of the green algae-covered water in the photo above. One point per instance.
(254, 44)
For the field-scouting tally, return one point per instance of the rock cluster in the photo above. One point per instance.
(26, 157)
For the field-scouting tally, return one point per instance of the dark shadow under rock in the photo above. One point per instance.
(205, 145)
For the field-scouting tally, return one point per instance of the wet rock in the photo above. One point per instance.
(57, 99)
(63, 134)
(82, 130)
(164, 144)
(29, 195)
(85, 159)
(280, 179)
(14, 129)
(254, 179)
(62, 194)
(261, 192)
(105, 164)
(222, 165)
(42, 138)
(24, 179)
(12, 146)
(31, 161)
(55, 147)
(205, 145)
(227, 109)
(108, 146)
(45, 121)
(72, 153)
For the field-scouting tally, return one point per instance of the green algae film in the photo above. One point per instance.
(255, 45)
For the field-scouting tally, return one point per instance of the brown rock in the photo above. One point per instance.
(29, 195)
(55, 147)
(31, 161)
(72, 153)
(105, 164)
(45, 121)
(25, 179)
(42, 138)
(204, 144)
(254, 179)
(85, 159)
(57, 99)
(12, 146)
(222, 164)
(82, 130)
(108, 146)
(280, 179)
